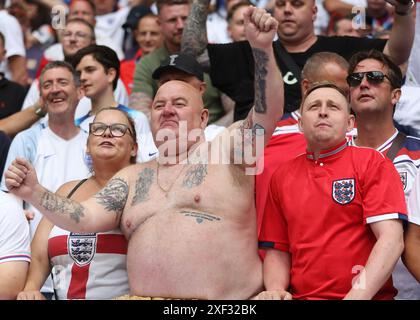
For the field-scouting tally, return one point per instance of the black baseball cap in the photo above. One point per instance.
(135, 14)
(180, 61)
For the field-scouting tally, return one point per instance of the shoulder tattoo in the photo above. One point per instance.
(143, 184)
(114, 195)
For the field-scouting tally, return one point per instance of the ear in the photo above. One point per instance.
(350, 122)
(204, 118)
(395, 96)
(134, 150)
(304, 84)
(112, 73)
(300, 124)
(314, 11)
(80, 93)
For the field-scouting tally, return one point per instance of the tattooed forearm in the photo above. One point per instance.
(57, 204)
(140, 101)
(143, 184)
(195, 176)
(200, 217)
(194, 36)
(114, 195)
(261, 60)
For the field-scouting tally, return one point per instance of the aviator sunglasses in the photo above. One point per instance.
(373, 77)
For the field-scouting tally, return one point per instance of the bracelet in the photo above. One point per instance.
(39, 111)
(406, 12)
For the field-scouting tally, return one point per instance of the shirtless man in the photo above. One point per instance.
(191, 227)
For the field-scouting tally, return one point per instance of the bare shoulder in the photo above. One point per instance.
(66, 188)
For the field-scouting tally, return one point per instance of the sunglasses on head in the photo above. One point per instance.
(373, 77)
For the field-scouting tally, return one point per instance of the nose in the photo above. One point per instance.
(323, 111)
(180, 23)
(288, 7)
(364, 83)
(107, 132)
(168, 110)
(148, 37)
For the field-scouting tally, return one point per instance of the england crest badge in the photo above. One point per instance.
(343, 190)
(403, 176)
(82, 247)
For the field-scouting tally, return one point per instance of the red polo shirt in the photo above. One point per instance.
(320, 211)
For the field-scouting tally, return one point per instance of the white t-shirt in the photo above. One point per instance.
(14, 230)
(110, 26)
(407, 109)
(13, 36)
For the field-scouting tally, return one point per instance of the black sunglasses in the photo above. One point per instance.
(116, 129)
(373, 77)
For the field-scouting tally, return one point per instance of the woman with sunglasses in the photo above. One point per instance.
(87, 266)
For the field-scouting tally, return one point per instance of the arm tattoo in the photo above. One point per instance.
(195, 176)
(200, 217)
(261, 60)
(194, 36)
(57, 204)
(143, 184)
(114, 195)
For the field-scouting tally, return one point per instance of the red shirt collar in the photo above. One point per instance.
(328, 152)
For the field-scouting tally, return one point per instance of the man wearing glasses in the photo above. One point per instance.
(375, 88)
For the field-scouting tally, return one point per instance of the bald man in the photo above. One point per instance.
(189, 215)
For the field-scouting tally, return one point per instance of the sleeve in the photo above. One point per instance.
(13, 37)
(347, 46)
(414, 202)
(143, 81)
(32, 96)
(232, 69)
(23, 145)
(273, 232)
(14, 231)
(383, 194)
(120, 93)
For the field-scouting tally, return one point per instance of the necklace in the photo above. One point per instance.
(173, 182)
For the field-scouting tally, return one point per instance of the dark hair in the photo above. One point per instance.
(89, 2)
(236, 6)
(60, 64)
(104, 55)
(84, 22)
(148, 15)
(394, 72)
(2, 39)
(162, 3)
(130, 121)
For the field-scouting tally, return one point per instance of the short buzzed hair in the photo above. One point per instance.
(313, 67)
(325, 84)
(162, 3)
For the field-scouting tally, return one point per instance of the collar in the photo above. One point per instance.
(328, 152)
(386, 145)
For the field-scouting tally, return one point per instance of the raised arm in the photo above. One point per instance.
(100, 213)
(194, 36)
(257, 128)
(398, 47)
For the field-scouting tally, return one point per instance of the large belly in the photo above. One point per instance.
(183, 257)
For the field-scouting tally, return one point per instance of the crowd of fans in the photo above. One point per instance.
(88, 86)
